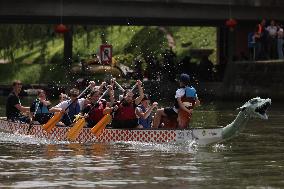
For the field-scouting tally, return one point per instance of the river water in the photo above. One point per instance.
(254, 159)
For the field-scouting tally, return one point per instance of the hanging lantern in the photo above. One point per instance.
(231, 23)
(61, 28)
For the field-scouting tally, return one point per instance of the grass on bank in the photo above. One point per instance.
(41, 62)
(124, 39)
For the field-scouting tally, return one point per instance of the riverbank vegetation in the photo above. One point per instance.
(35, 52)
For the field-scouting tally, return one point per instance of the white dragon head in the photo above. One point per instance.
(257, 107)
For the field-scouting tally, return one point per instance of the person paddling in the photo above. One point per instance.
(76, 106)
(14, 108)
(95, 110)
(74, 109)
(143, 112)
(124, 111)
(40, 108)
(179, 105)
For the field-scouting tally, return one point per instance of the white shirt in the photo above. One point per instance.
(64, 104)
(272, 30)
(180, 93)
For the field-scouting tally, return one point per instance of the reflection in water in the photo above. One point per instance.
(252, 160)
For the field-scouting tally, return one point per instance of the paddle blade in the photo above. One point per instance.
(74, 131)
(52, 122)
(99, 127)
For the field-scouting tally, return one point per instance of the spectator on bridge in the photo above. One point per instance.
(260, 38)
(272, 40)
(14, 108)
(251, 46)
(280, 43)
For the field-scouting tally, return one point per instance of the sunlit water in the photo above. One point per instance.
(254, 159)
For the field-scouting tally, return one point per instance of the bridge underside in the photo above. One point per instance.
(138, 12)
(148, 12)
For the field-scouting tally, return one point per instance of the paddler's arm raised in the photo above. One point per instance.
(111, 94)
(145, 115)
(101, 88)
(141, 92)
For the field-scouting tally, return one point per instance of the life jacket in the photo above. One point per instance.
(189, 98)
(97, 112)
(146, 123)
(126, 111)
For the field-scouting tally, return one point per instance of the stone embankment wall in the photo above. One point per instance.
(242, 80)
(249, 79)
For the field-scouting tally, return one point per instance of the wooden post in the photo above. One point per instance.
(68, 46)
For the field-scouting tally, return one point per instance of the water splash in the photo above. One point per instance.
(26, 139)
(187, 147)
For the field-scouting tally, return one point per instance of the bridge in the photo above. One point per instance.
(138, 12)
(171, 13)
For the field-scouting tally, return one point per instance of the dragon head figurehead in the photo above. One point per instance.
(257, 107)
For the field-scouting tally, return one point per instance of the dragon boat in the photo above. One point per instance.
(255, 107)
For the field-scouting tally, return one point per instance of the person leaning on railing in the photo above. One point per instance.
(14, 108)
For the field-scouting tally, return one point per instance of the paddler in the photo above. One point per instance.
(124, 111)
(14, 108)
(185, 99)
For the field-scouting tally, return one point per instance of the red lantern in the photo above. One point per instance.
(231, 23)
(61, 28)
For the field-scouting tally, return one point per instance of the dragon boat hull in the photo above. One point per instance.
(255, 107)
(202, 136)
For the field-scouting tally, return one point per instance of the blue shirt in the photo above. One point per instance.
(146, 123)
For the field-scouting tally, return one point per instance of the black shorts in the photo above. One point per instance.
(43, 118)
(127, 124)
(170, 111)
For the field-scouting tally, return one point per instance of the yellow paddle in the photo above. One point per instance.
(57, 116)
(74, 131)
(52, 122)
(99, 127)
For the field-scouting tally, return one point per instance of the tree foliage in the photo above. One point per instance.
(17, 36)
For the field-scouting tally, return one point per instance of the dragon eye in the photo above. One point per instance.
(253, 101)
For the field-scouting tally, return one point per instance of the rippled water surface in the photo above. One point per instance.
(254, 159)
